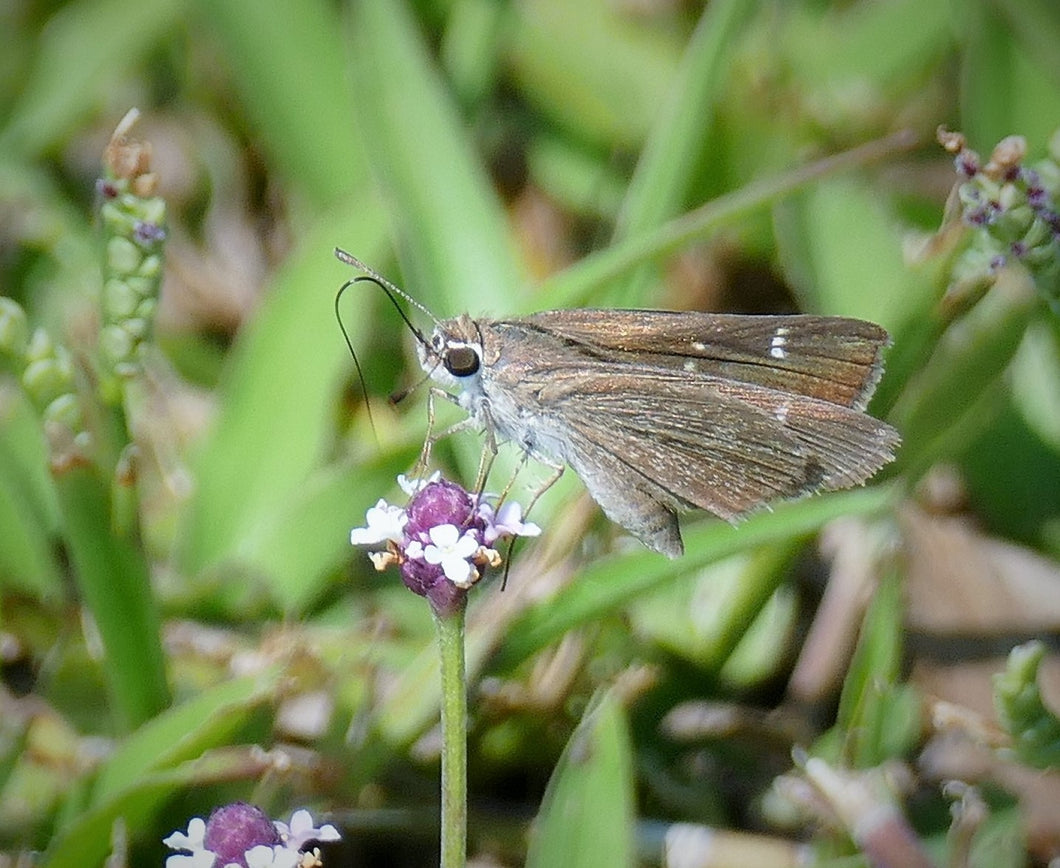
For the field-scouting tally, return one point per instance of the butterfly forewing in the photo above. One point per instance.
(831, 358)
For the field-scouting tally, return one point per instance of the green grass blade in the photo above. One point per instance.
(668, 163)
(29, 515)
(287, 61)
(85, 50)
(611, 583)
(275, 399)
(87, 842)
(579, 283)
(590, 69)
(113, 577)
(587, 817)
(456, 250)
(207, 720)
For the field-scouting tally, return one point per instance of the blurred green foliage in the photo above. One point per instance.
(490, 157)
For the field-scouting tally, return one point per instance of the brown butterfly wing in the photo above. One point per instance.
(646, 446)
(834, 359)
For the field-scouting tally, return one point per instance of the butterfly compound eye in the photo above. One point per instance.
(461, 361)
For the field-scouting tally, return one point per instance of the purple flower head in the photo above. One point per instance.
(441, 502)
(442, 541)
(242, 836)
(234, 829)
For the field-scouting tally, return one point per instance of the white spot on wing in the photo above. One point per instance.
(781, 413)
(779, 341)
(689, 366)
(699, 346)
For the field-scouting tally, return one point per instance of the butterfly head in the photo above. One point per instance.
(453, 355)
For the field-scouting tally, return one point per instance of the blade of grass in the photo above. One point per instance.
(454, 243)
(275, 398)
(1037, 24)
(591, 68)
(86, 48)
(576, 285)
(587, 815)
(453, 240)
(287, 61)
(611, 583)
(841, 247)
(667, 166)
(208, 720)
(87, 842)
(29, 514)
(973, 353)
(308, 538)
(113, 577)
(1006, 85)
(833, 47)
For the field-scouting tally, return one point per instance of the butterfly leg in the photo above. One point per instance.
(423, 462)
(489, 451)
(557, 472)
(508, 488)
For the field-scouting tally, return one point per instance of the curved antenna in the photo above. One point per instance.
(353, 353)
(390, 291)
(388, 287)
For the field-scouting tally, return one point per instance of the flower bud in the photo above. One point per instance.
(122, 256)
(234, 829)
(65, 411)
(14, 329)
(48, 375)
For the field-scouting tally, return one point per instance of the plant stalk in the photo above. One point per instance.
(450, 626)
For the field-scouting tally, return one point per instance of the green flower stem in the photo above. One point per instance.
(450, 628)
(975, 352)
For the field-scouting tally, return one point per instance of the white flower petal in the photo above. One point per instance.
(284, 857)
(301, 822)
(510, 520)
(260, 856)
(384, 522)
(412, 486)
(444, 536)
(457, 570)
(363, 536)
(302, 830)
(193, 840)
(199, 859)
(466, 546)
